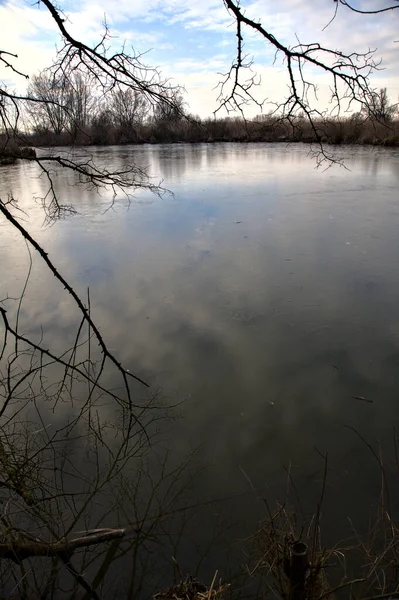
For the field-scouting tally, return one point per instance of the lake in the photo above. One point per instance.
(261, 298)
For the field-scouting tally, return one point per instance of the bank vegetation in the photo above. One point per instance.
(66, 112)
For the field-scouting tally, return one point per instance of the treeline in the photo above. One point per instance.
(351, 130)
(70, 113)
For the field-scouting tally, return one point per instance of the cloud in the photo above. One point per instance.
(29, 33)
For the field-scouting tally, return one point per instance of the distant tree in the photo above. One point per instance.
(170, 109)
(60, 103)
(48, 111)
(128, 109)
(102, 127)
(80, 100)
(379, 107)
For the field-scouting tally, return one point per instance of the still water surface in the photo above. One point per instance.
(264, 293)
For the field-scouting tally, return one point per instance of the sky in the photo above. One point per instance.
(193, 41)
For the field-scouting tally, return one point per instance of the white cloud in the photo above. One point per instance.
(29, 33)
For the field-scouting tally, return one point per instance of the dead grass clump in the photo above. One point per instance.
(291, 565)
(192, 589)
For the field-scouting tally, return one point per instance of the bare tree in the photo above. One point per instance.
(170, 109)
(80, 103)
(102, 127)
(128, 109)
(379, 107)
(49, 110)
(61, 103)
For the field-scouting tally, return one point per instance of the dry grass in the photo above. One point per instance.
(192, 589)
(272, 554)
(362, 567)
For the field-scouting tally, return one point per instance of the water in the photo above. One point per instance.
(263, 293)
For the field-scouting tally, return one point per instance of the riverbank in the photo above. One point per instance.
(9, 155)
(352, 130)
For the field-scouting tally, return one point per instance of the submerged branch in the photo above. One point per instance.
(20, 550)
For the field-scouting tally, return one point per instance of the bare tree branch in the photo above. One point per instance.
(107, 354)
(348, 75)
(368, 12)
